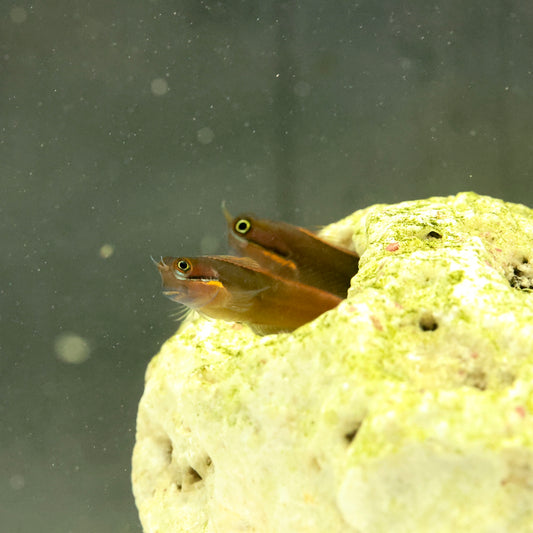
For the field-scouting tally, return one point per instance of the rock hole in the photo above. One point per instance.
(522, 276)
(167, 450)
(349, 436)
(193, 476)
(428, 322)
(477, 379)
(189, 477)
(433, 235)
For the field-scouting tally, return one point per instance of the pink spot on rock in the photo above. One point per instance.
(520, 410)
(376, 323)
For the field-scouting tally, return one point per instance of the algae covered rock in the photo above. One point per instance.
(408, 408)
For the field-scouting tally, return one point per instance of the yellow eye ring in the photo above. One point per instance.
(182, 265)
(242, 226)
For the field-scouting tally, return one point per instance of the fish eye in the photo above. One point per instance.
(242, 226)
(182, 265)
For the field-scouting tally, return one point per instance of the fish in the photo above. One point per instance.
(293, 252)
(238, 289)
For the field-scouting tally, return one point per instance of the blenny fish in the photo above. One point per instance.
(293, 252)
(238, 289)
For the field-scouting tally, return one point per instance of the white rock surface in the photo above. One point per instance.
(409, 408)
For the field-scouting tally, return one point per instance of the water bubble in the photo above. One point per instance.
(302, 88)
(159, 87)
(17, 482)
(209, 244)
(205, 135)
(106, 251)
(405, 63)
(18, 15)
(71, 348)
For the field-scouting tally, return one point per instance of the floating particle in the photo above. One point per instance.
(209, 244)
(159, 87)
(405, 63)
(18, 15)
(17, 482)
(205, 135)
(106, 251)
(71, 348)
(302, 88)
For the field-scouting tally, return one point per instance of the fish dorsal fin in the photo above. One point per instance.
(245, 262)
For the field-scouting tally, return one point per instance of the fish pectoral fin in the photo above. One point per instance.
(267, 329)
(243, 300)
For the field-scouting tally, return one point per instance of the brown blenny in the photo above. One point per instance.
(293, 252)
(239, 289)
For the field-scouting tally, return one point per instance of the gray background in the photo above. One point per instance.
(126, 124)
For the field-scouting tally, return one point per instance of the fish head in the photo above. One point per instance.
(248, 233)
(189, 281)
